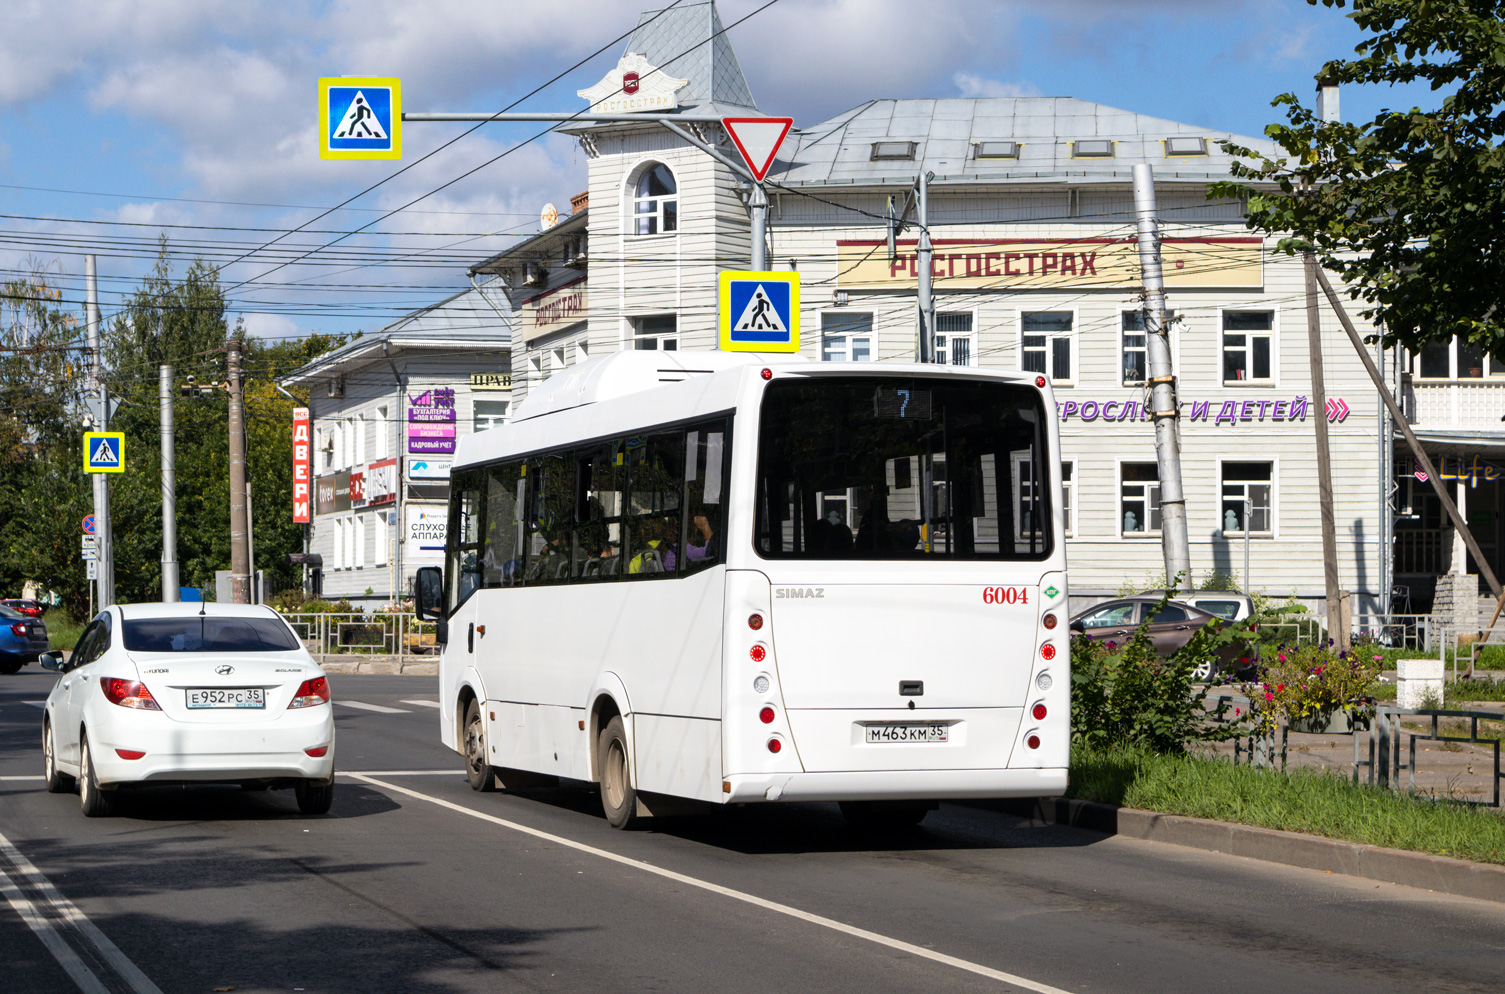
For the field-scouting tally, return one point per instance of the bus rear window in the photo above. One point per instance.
(885, 467)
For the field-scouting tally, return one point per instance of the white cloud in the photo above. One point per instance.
(973, 85)
(262, 325)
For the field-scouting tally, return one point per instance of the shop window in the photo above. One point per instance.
(655, 204)
(846, 337)
(953, 339)
(1248, 338)
(658, 331)
(1139, 499)
(1046, 343)
(1249, 482)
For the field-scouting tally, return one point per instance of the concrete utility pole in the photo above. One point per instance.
(1324, 457)
(240, 552)
(1163, 406)
(169, 488)
(924, 255)
(104, 539)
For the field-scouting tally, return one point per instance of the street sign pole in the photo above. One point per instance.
(101, 481)
(169, 488)
(758, 207)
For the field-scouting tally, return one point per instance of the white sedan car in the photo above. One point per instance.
(188, 693)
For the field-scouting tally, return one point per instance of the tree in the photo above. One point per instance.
(1408, 208)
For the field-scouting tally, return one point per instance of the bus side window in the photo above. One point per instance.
(600, 489)
(655, 485)
(551, 510)
(467, 511)
(501, 559)
(705, 485)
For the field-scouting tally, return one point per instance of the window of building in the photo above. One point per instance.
(339, 544)
(382, 429)
(358, 542)
(893, 150)
(1185, 145)
(655, 204)
(358, 436)
(1068, 496)
(1139, 499)
(1454, 359)
(657, 331)
(846, 337)
(490, 413)
(1045, 344)
(1248, 342)
(380, 538)
(995, 150)
(1251, 482)
(1093, 148)
(953, 339)
(1136, 360)
(337, 460)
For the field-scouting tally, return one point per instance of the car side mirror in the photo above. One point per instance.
(1078, 627)
(52, 660)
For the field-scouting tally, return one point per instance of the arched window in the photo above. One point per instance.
(655, 203)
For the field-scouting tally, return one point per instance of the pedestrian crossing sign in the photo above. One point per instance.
(760, 312)
(360, 117)
(104, 452)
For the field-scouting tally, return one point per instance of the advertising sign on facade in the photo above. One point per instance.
(428, 469)
(358, 488)
(381, 482)
(302, 466)
(634, 85)
(432, 405)
(425, 439)
(333, 493)
(555, 309)
(1014, 264)
(425, 527)
(490, 381)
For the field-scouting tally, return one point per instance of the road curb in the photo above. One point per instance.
(1313, 852)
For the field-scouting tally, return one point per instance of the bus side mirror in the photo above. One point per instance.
(428, 594)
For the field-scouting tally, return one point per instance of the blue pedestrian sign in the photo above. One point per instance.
(104, 452)
(760, 312)
(360, 117)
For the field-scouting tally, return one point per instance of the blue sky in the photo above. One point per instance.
(198, 119)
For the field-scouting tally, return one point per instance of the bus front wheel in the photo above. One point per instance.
(619, 798)
(477, 770)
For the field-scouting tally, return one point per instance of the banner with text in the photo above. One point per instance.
(302, 466)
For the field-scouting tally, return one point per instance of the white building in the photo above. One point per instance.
(1035, 268)
(387, 410)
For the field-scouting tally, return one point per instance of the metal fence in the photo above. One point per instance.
(398, 635)
(1379, 752)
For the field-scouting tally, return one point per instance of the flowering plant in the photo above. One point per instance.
(1305, 681)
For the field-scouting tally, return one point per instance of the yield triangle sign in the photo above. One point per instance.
(757, 139)
(760, 314)
(359, 120)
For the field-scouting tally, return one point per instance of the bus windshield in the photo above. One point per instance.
(898, 467)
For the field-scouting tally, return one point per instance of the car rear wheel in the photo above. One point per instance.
(57, 783)
(477, 770)
(314, 798)
(619, 798)
(1204, 670)
(94, 802)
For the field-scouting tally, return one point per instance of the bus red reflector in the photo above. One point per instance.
(766, 716)
(1033, 741)
(774, 745)
(129, 753)
(1039, 712)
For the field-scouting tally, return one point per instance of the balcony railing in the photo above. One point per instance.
(1455, 403)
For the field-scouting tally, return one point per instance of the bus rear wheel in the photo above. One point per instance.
(478, 771)
(885, 816)
(619, 798)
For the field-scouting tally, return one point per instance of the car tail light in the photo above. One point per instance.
(758, 653)
(1047, 651)
(774, 745)
(1039, 712)
(129, 753)
(128, 694)
(18, 629)
(311, 692)
(317, 751)
(766, 716)
(1033, 741)
(1049, 621)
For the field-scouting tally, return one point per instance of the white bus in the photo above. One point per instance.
(736, 579)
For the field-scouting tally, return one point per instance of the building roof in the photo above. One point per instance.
(540, 245)
(944, 132)
(467, 319)
(674, 40)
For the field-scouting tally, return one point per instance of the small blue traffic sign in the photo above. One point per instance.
(104, 452)
(360, 117)
(88, 524)
(760, 311)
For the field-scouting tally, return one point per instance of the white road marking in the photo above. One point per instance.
(458, 771)
(106, 949)
(736, 895)
(423, 704)
(379, 708)
(36, 777)
(60, 950)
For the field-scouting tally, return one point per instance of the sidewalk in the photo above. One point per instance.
(355, 662)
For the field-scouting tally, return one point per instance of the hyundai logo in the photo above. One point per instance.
(225, 670)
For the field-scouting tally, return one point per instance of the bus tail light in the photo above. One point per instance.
(758, 653)
(755, 621)
(1033, 741)
(767, 374)
(1049, 621)
(774, 745)
(1039, 712)
(1039, 381)
(1044, 681)
(1047, 651)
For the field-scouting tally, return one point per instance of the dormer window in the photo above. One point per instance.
(995, 150)
(1185, 145)
(893, 150)
(1095, 148)
(655, 204)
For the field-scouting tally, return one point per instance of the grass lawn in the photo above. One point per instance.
(1302, 801)
(62, 630)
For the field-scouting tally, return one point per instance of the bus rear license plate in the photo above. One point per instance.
(906, 733)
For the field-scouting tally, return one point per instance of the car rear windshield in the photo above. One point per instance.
(6, 612)
(198, 633)
(901, 467)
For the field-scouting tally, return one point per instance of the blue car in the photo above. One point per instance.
(22, 639)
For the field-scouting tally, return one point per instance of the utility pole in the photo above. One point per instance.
(169, 488)
(758, 208)
(240, 553)
(1163, 406)
(104, 541)
(1324, 456)
(924, 254)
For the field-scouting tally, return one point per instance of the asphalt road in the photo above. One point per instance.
(416, 883)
